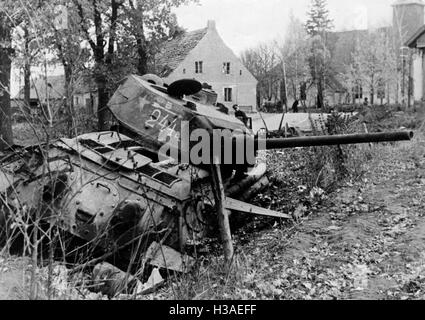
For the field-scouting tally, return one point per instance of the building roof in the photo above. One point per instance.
(406, 2)
(412, 41)
(55, 89)
(174, 51)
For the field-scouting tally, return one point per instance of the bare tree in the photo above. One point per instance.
(374, 64)
(140, 21)
(147, 23)
(317, 26)
(293, 53)
(6, 137)
(264, 63)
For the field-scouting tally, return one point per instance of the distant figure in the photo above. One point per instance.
(366, 102)
(240, 114)
(222, 108)
(295, 106)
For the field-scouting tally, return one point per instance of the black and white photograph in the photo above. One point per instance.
(238, 151)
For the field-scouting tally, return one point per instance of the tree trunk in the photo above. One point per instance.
(102, 95)
(223, 214)
(103, 62)
(27, 74)
(319, 95)
(397, 92)
(283, 96)
(6, 137)
(142, 62)
(388, 94)
(101, 66)
(69, 101)
(258, 97)
(294, 90)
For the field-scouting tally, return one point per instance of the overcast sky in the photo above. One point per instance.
(245, 23)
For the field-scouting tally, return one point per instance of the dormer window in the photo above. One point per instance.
(226, 67)
(198, 66)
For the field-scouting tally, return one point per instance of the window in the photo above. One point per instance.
(226, 67)
(227, 94)
(198, 66)
(184, 71)
(240, 72)
(358, 91)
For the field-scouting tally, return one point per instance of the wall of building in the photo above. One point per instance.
(417, 75)
(213, 52)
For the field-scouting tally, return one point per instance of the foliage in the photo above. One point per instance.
(264, 63)
(294, 52)
(374, 63)
(318, 22)
(317, 25)
(98, 41)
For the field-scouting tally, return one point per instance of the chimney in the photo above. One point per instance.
(211, 25)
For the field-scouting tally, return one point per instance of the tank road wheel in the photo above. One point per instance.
(135, 225)
(125, 222)
(200, 220)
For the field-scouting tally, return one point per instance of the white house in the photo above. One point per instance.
(203, 55)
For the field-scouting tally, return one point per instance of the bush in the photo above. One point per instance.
(327, 166)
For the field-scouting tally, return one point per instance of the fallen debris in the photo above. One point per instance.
(111, 281)
(154, 282)
(165, 257)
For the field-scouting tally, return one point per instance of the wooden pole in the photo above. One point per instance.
(223, 214)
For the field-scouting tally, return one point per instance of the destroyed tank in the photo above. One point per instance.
(118, 191)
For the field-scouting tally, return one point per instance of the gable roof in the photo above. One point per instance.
(174, 51)
(406, 2)
(412, 42)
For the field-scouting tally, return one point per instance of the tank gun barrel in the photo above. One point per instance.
(284, 143)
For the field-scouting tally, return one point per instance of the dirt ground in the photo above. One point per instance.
(367, 241)
(12, 278)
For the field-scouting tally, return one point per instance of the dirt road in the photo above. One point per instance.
(367, 241)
